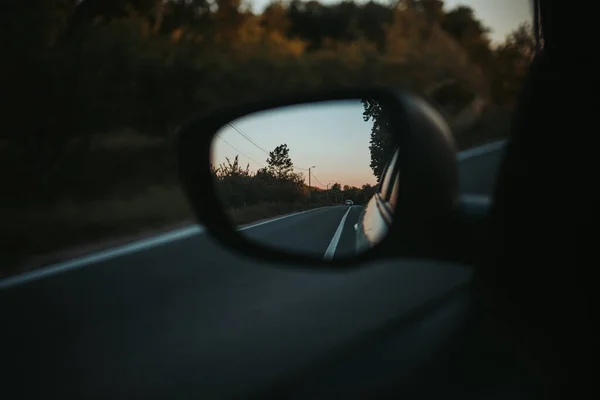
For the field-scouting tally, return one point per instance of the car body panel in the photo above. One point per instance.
(377, 215)
(373, 224)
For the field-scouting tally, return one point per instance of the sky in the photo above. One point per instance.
(502, 16)
(332, 136)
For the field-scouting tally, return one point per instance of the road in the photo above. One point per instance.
(190, 313)
(312, 232)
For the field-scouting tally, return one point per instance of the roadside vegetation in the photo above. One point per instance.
(94, 92)
(276, 189)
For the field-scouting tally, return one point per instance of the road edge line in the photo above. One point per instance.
(481, 150)
(119, 251)
(335, 240)
(280, 218)
(102, 255)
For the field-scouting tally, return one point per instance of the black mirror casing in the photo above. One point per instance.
(428, 194)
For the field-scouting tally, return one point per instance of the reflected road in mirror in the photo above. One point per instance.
(300, 178)
(326, 232)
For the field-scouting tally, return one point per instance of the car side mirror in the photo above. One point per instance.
(325, 179)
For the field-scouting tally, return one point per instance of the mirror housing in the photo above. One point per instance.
(427, 173)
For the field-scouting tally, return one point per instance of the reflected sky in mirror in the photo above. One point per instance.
(332, 136)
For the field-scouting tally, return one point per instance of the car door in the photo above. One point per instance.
(377, 215)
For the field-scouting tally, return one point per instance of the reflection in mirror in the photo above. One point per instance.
(304, 178)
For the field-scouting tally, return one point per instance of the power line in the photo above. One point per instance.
(233, 147)
(262, 165)
(317, 179)
(248, 138)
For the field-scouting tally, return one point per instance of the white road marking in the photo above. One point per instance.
(103, 255)
(175, 235)
(330, 252)
(476, 198)
(279, 218)
(481, 150)
(114, 252)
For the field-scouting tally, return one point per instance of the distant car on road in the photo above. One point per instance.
(349, 202)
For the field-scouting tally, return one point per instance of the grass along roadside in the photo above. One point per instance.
(33, 236)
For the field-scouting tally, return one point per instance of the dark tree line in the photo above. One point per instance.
(93, 92)
(81, 72)
(240, 187)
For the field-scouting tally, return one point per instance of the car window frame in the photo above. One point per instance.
(394, 193)
(382, 177)
(387, 181)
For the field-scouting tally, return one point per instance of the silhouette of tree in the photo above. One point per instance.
(279, 162)
(382, 143)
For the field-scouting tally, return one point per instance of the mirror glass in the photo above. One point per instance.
(305, 178)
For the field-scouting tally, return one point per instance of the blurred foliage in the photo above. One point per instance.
(76, 69)
(79, 73)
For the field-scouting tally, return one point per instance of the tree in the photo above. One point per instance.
(275, 18)
(382, 143)
(462, 24)
(228, 20)
(191, 15)
(351, 193)
(279, 162)
(511, 61)
(366, 192)
(233, 182)
(336, 190)
(433, 10)
(233, 169)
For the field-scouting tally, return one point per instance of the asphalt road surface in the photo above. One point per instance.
(312, 232)
(187, 312)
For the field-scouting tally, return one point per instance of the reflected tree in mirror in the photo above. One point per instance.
(382, 139)
(280, 163)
